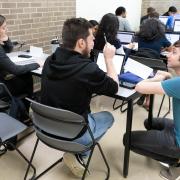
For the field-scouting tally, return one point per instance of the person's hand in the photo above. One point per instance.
(162, 75)
(40, 62)
(109, 51)
(130, 46)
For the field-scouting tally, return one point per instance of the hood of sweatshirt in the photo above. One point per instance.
(64, 63)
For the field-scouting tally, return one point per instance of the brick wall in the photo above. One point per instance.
(36, 22)
(161, 6)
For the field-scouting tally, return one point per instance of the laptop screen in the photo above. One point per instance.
(117, 60)
(125, 37)
(177, 25)
(163, 19)
(172, 37)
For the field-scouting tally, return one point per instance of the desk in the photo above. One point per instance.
(14, 57)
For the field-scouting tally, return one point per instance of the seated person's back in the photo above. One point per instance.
(152, 35)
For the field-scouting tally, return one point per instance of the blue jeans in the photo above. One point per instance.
(99, 123)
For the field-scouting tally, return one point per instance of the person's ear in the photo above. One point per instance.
(80, 43)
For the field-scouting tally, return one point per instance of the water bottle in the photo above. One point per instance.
(54, 44)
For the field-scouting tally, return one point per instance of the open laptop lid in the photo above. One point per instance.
(118, 61)
(176, 27)
(125, 37)
(163, 19)
(172, 36)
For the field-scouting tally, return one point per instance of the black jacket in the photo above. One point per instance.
(69, 80)
(8, 67)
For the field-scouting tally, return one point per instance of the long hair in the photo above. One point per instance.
(2, 20)
(108, 26)
(74, 29)
(151, 29)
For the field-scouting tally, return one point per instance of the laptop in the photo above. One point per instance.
(176, 27)
(172, 37)
(163, 19)
(125, 37)
(117, 60)
(130, 71)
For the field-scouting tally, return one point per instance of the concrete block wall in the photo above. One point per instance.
(36, 22)
(161, 6)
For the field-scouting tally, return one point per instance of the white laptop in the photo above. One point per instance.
(172, 37)
(176, 25)
(163, 19)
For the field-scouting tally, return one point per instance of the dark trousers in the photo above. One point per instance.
(158, 143)
(21, 85)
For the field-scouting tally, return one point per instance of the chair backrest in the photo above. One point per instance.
(57, 122)
(156, 64)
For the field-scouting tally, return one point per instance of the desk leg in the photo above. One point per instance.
(150, 114)
(128, 136)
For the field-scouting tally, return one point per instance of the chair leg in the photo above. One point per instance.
(161, 106)
(169, 109)
(32, 156)
(105, 161)
(87, 165)
(50, 167)
(30, 164)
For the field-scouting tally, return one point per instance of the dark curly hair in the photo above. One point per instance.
(109, 26)
(151, 29)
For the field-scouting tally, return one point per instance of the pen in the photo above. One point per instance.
(105, 38)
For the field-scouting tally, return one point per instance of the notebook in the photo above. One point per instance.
(125, 37)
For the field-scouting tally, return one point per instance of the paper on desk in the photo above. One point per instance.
(137, 68)
(18, 59)
(36, 51)
(117, 60)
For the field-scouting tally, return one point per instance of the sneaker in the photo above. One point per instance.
(172, 173)
(164, 164)
(73, 164)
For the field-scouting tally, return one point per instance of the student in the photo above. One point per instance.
(152, 36)
(107, 31)
(69, 78)
(123, 22)
(162, 141)
(171, 10)
(17, 78)
(150, 10)
(94, 24)
(170, 21)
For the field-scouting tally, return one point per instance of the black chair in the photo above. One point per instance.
(56, 128)
(9, 128)
(5, 98)
(156, 64)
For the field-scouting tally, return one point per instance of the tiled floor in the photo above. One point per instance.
(140, 168)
